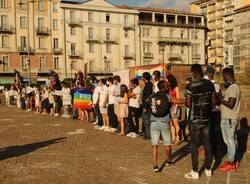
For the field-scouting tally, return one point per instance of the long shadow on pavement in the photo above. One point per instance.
(15, 151)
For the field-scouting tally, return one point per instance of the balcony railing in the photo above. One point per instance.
(110, 39)
(75, 23)
(7, 29)
(174, 55)
(58, 51)
(75, 55)
(93, 39)
(228, 4)
(128, 26)
(171, 40)
(148, 55)
(44, 31)
(196, 56)
(129, 56)
(26, 50)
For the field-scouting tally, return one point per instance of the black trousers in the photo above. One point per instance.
(113, 121)
(133, 118)
(200, 134)
(98, 115)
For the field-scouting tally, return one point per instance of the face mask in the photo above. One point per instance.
(206, 77)
(153, 77)
(107, 83)
(227, 84)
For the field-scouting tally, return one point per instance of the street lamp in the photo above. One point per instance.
(162, 48)
(105, 65)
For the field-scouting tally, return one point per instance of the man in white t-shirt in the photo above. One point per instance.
(113, 121)
(95, 101)
(156, 78)
(134, 107)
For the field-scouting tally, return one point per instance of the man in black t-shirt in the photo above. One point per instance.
(200, 97)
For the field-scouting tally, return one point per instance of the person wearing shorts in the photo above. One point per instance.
(160, 126)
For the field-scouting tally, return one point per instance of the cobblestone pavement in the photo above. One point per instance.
(44, 149)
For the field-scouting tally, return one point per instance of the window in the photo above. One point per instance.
(23, 22)
(3, 3)
(73, 65)
(171, 48)
(55, 24)
(40, 23)
(182, 49)
(90, 16)
(5, 63)
(108, 48)
(23, 42)
(147, 47)
(195, 49)
(171, 33)
(91, 66)
(146, 32)
(194, 35)
(126, 50)
(108, 34)
(4, 21)
(73, 49)
(126, 20)
(126, 34)
(56, 63)
(91, 48)
(107, 17)
(24, 62)
(5, 41)
(22, 4)
(182, 34)
(108, 68)
(42, 63)
(160, 32)
(91, 32)
(72, 15)
(55, 7)
(55, 43)
(40, 5)
(41, 42)
(72, 30)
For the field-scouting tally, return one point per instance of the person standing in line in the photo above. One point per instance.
(66, 99)
(217, 143)
(174, 93)
(123, 102)
(96, 99)
(200, 97)
(111, 107)
(147, 92)
(103, 103)
(117, 84)
(134, 108)
(156, 78)
(160, 123)
(51, 101)
(230, 110)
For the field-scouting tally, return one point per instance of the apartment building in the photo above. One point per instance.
(29, 31)
(171, 36)
(220, 15)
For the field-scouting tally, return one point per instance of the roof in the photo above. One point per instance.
(246, 7)
(200, 1)
(70, 2)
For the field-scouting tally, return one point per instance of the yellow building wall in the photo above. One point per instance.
(194, 8)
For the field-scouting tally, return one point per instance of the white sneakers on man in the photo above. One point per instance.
(192, 175)
(208, 172)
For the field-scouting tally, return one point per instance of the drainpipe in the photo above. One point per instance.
(140, 42)
(65, 43)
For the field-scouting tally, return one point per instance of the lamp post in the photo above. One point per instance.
(162, 47)
(105, 65)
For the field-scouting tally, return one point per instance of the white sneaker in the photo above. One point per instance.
(192, 175)
(97, 127)
(113, 129)
(134, 135)
(129, 134)
(56, 114)
(208, 172)
(102, 127)
(107, 129)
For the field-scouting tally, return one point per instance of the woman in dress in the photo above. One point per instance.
(123, 107)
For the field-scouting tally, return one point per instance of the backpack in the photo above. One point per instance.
(160, 104)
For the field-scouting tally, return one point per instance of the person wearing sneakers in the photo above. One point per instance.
(230, 109)
(160, 123)
(200, 97)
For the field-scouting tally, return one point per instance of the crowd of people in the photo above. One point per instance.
(212, 117)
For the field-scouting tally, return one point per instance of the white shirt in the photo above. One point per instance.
(117, 93)
(96, 94)
(51, 98)
(135, 101)
(155, 88)
(66, 93)
(103, 93)
(112, 94)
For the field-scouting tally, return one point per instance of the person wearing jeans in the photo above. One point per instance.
(200, 98)
(230, 110)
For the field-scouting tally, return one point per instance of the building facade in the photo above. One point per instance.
(95, 37)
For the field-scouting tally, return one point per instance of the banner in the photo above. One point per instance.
(124, 74)
(140, 70)
(82, 98)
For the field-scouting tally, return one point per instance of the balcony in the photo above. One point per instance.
(148, 55)
(129, 56)
(6, 29)
(93, 39)
(75, 55)
(174, 56)
(173, 40)
(228, 4)
(57, 51)
(25, 50)
(75, 23)
(110, 40)
(128, 27)
(43, 31)
(196, 56)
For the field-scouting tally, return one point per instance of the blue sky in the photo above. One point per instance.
(178, 4)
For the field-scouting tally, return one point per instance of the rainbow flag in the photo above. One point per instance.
(82, 98)
(140, 70)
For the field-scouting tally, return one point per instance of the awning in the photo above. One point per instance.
(6, 81)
